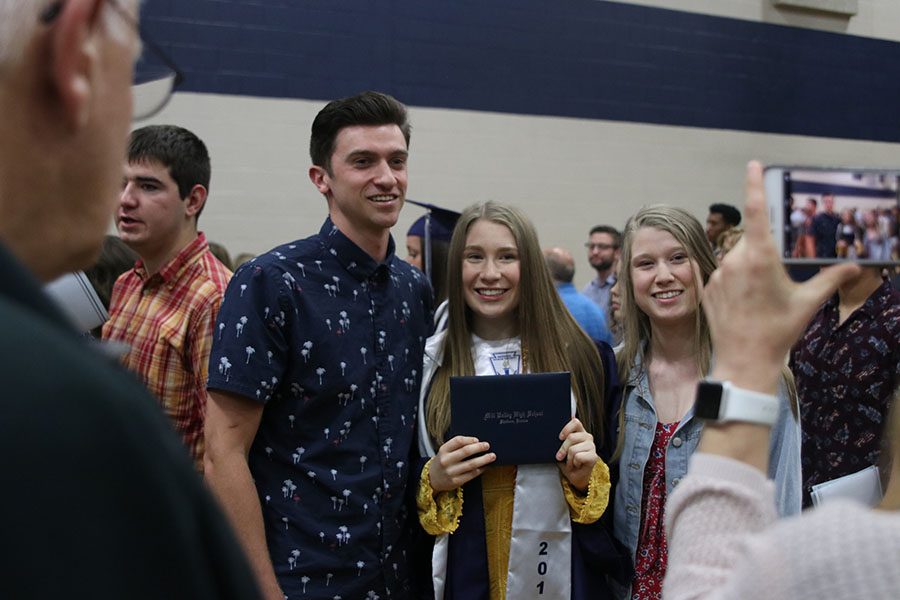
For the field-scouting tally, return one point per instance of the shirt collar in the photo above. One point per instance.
(831, 305)
(354, 259)
(608, 282)
(877, 302)
(636, 375)
(173, 269)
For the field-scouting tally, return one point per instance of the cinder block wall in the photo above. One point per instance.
(579, 112)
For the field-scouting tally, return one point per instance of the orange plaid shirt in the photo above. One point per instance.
(167, 320)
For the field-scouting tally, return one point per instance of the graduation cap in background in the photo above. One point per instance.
(436, 224)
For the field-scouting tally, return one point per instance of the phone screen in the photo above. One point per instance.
(826, 215)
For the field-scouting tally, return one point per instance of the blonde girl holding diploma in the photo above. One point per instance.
(505, 531)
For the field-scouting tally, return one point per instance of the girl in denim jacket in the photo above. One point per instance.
(666, 260)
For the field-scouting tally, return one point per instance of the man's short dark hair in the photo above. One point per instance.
(730, 214)
(367, 108)
(177, 149)
(609, 230)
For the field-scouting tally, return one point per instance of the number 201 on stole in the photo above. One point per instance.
(542, 566)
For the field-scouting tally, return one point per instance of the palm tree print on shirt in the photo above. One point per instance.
(337, 314)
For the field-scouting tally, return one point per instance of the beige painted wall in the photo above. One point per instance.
(876, 18)
(568, 174)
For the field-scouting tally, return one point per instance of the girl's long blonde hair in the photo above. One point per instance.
(551, 339)
(688, 231)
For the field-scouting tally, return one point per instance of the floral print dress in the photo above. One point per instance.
(651, 556)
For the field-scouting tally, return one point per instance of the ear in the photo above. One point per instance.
(195, 200)
(74, 58)
(319, 177)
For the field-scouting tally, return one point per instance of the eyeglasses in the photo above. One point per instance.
(591, 246)
(155, 74)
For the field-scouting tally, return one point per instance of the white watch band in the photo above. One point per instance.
(739, 404)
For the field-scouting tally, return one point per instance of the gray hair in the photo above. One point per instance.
(19, 18)
(560, 263)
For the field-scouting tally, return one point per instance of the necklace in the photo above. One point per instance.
(506, 356)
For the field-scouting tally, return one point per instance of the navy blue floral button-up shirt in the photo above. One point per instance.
(846, 375)
(331, 342)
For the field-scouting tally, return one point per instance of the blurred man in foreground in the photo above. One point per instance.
(101, 500)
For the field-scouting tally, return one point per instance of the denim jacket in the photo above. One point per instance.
(640, 427)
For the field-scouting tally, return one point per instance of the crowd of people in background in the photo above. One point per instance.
(285, 431)
(854, 232)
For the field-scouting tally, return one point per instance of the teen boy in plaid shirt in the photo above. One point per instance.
(165, 308)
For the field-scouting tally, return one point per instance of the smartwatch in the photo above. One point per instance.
(722, 402)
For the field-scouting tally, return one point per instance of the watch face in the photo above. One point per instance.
(709, 400)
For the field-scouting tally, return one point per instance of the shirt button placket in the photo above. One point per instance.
(379, 301)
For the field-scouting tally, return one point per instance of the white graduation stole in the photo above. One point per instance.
(540, 547)
(540, 551)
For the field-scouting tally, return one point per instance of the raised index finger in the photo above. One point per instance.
(756, 228)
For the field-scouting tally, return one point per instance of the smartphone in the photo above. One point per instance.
(824, 215)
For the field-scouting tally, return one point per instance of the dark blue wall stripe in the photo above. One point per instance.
(812, 187)
(576, 58)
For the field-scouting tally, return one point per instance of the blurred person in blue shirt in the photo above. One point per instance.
(583, 309)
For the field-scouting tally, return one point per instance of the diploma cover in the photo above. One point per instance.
(76, 297)
(863, 486)
(519, 415)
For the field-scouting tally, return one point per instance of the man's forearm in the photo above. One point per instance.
(231, 482)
